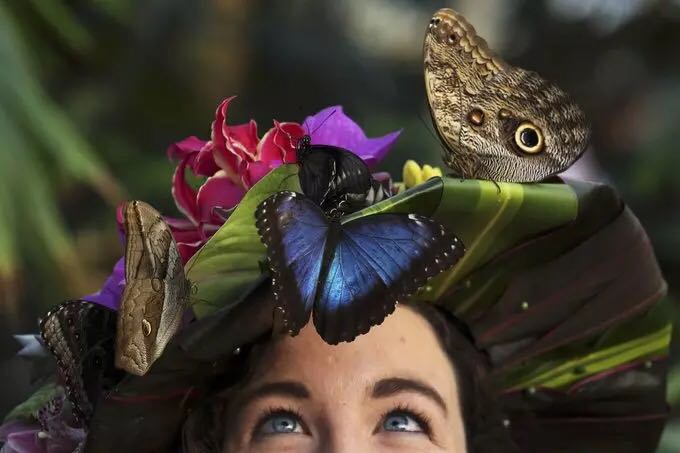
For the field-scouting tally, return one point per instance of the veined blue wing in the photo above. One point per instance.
(295, 231)
(377, 261)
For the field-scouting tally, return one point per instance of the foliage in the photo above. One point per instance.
(39, 142)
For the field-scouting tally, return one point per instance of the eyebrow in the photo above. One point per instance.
(385, 388)
(291, 389)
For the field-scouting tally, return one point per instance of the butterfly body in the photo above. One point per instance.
(496, 121)
(81, 335)
(156, 290)
(348, 275)
(336, 179)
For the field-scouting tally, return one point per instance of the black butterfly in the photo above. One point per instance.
(336, 179)
(81, 336)
(349, 273)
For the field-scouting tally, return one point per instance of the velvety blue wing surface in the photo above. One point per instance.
(377, 261)
(294, 231)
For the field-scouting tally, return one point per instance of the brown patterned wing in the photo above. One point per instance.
(496, 121)
(156, 290)
(80, 336)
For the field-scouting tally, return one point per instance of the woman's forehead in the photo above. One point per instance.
(404, 345)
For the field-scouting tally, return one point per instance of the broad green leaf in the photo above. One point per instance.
(491, 217)
(674, 386)
(488, 217)
(641, 338)
(230, 261)
(39, 399)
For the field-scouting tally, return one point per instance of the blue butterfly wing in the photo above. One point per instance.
(295, 232)
(377, 261)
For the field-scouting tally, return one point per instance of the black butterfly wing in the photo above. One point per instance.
(377, 261)
(346, 174)
(295, 232)
(317, 170)
(80, 335)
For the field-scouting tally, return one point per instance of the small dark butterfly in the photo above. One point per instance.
(81, 337)
(350, 274)
(336, 179)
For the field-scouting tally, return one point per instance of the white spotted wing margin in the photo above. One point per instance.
(349, 275)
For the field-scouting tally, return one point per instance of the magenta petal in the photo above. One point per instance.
(112, 291)
(178, 224)
(256, 171)
(331, 126)
(205, 164)
(184, 195)
(267, 149)
(217, 191)
(187, 146)
(187, 250)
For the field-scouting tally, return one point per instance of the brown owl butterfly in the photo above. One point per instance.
(80, 335)
(496, 121)
(156, 290)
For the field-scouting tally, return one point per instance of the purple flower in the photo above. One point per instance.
(331, 126)
(110, 294)
(233, 160)
(20, 437)
(52, 432)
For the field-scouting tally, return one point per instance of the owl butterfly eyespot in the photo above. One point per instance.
(496, 121)
(529, 138)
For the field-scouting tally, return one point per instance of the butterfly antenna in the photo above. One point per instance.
(427, 128)
(322, 123)
(285, 179)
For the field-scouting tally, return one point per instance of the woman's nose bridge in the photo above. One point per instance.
(346, 430)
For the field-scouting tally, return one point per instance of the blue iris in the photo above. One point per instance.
(401, 422)
(280, 424)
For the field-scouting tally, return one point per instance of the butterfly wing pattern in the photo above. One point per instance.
(378, 261)
(156, 290)
(350, 275)
(334, 178)
(80, 335)
(317, 170)
(295, 232)
(496, 121)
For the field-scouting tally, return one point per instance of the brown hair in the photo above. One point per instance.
(484, 428)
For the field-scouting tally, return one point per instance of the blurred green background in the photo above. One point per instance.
(92, 93)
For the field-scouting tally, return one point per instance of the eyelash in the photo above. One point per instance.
(403, 408)
(423, 420)
(277, 410)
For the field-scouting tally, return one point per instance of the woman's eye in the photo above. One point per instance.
(402, 422)
(280, 423)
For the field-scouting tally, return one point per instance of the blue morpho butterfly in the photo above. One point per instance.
(348, 273)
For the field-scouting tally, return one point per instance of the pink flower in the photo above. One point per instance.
(235, 158)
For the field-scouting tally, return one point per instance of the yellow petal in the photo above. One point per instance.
(430, 172)
(413, 175)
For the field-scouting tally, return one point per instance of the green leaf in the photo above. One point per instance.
(64, 22)
(488, 217)
(492, 217)
(27, 409)
(229, 262)
(477, 211)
